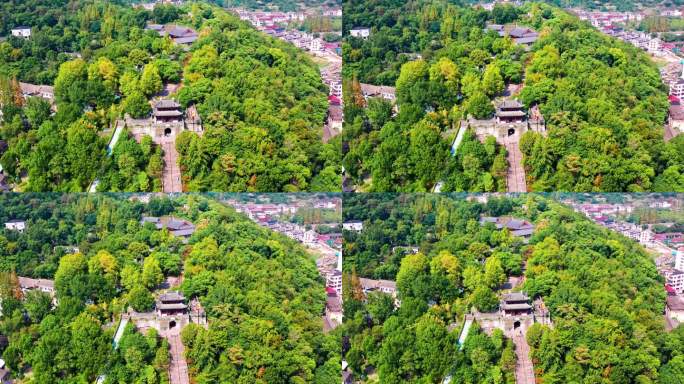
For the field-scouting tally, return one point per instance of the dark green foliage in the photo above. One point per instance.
(263, 107)
(261, 101)
(604, 293)
(261, 290)
(602, 99)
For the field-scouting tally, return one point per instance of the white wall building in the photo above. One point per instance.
(315, 45)
(22, 31)
(16, 225)
(310, 237)
(356, 226)
(333, 279)
(676, 280)
(646, 237)
(360, 32)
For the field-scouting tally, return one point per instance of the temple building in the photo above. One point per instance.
(510, 111)
(171, 304)
(176, 226)
(517, 227)
(515, 304)
(167, 111)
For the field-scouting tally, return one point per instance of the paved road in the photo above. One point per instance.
(171, 174)
(178, 367)
(670, 133)
(329, 133)
(524, 370)
(515, 179)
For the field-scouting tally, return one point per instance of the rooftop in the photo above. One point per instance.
(171, 296)
(510, 104)
(164, 113)
(677, 112)
(166, 104)
(29, 283)
(675, 303)
(516, 307)
(515, 296)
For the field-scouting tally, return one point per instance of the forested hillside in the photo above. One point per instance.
(602, 100)
(261, 100)
(264, 107)
(103, 262)
(605, 328)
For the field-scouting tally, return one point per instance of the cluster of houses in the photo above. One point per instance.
(276, 24)
(601, 19)
(273, 217)
(653, 45)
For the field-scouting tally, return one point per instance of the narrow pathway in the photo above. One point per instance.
(458, 140)
(115, 137)
(171, 173)
(524, 370)
(178, 367)
(454, 146)
(119, 127)
(120, 331)
(466, 329)
(515, 179)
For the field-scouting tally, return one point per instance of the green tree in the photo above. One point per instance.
(152, 274)
(136, 105)
(140, 299)
(479, 106)
(150, 80)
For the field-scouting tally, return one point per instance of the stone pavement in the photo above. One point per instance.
(171, 175)
(524, 370)
(178, 367)
(515, 179)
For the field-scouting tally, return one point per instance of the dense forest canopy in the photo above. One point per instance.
(273, 325)
(261, 100)
(263, 105)
(90, 52)
(606, 329)
(602, 99)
